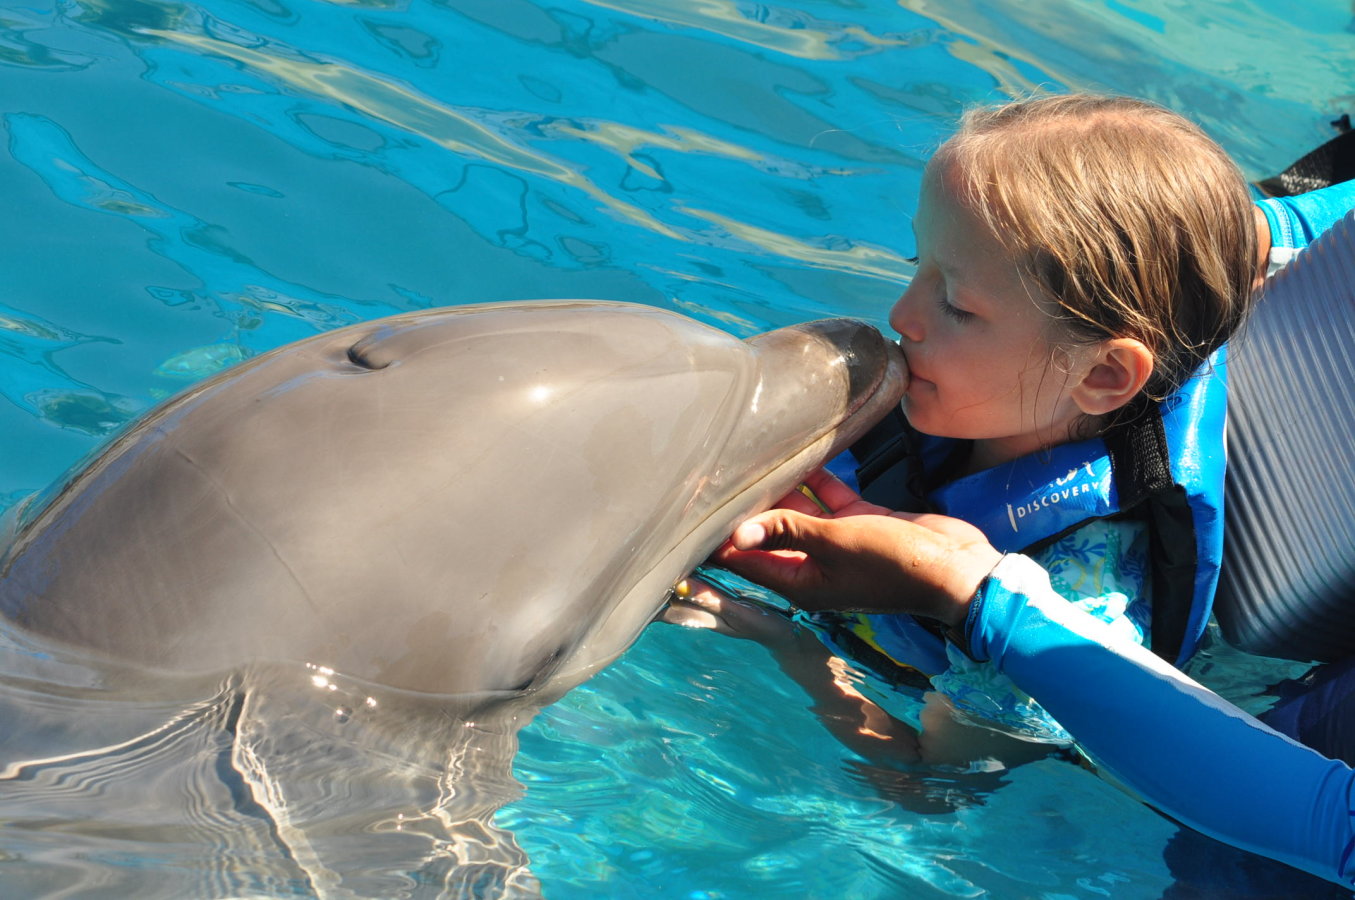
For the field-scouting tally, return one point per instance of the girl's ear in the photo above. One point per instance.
(1119, 369)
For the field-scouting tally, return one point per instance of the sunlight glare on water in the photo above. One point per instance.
(191, 184)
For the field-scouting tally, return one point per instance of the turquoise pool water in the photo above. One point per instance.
(186, 185)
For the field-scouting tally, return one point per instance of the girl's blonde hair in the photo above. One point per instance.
(1129, 218)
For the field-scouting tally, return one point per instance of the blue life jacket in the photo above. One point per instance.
(1164, 464)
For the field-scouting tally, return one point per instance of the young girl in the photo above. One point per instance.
(1080, 261)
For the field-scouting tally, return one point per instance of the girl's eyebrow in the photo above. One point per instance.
(948, 269)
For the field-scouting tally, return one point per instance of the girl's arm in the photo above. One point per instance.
(858, 723)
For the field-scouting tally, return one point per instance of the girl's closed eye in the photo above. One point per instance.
(953, 312)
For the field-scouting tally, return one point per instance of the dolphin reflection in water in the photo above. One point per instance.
(294, 618)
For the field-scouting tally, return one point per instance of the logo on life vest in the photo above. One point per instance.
(1063, 490)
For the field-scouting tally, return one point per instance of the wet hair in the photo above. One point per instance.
(1128, 217)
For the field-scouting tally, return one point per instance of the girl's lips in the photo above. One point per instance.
(908, 375)
(912, 377)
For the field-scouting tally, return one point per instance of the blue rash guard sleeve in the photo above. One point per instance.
(1296, 221)
(1182, 748)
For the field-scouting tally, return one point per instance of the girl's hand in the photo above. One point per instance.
(696, 603)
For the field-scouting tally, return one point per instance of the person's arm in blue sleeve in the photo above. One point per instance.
(1182, 748)
(1294, 222)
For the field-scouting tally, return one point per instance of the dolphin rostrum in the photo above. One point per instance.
(468, 509)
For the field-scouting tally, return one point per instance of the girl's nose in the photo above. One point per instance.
(904, 317)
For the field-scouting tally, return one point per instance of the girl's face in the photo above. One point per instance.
(977, 340)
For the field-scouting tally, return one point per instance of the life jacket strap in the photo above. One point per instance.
(1141, 462)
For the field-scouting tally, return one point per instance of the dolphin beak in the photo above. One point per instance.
(872, 363)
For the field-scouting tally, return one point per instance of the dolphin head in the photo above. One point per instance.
(479, 500)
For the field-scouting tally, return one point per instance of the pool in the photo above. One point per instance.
(189, 185)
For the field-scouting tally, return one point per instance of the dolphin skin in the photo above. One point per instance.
(468, 509)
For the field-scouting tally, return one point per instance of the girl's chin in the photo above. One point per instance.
(914, 411)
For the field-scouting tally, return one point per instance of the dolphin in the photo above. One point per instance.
(449, 517)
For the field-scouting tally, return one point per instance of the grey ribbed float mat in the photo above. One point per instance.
(1287, 587)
